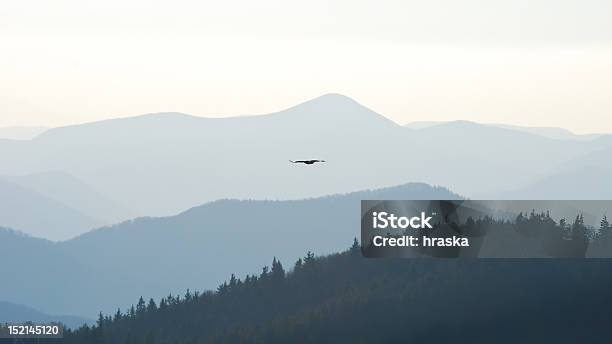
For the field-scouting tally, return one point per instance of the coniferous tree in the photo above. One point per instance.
(278, 272)
(298, 264)
(140, 307)
(170, 300)
(233, 282)
(355, 247)
(151, 307)
(222, 289)
(604, 225)
(189, 296)
(309, 258)
(578, 229)
(264, 271)
(100, 321)
(98, 331)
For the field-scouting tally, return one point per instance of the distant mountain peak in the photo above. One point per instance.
(165, 115)
(335, 108)
(332, 100)
(335, 97)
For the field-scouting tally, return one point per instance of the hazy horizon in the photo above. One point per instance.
(538, 64)
(23, 130)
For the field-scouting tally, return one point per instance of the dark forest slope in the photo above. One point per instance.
(344, 298)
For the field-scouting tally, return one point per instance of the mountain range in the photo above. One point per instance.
(111, 267)
(55, 205)
(548, 132)
(66, 186)
(161, 164)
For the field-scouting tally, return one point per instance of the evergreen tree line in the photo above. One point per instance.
(539, 235)
(575, 230)
(564, 238)
(536, 223)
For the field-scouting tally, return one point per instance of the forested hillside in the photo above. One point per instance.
(344, 298)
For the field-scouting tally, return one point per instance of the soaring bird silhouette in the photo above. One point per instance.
(307, 162)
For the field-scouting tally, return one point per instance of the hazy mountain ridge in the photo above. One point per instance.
(32, 212)
(329, 111)
(55, 205)
(586, 177)
(10, 312)
(71, 191)
(552, 132)
(575, 183)
(547, 132)
(161, 164)
(196, 249)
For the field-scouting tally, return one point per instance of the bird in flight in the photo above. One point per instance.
(307, 162)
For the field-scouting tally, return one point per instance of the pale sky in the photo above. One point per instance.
(522, 62)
